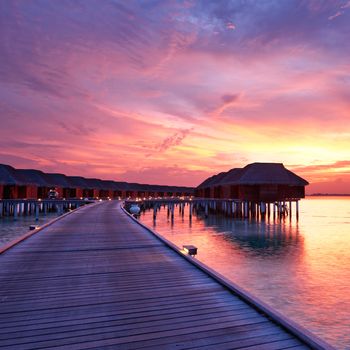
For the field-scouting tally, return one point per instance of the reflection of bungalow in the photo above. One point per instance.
(256, 182)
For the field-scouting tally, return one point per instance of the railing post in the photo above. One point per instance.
(36, 212)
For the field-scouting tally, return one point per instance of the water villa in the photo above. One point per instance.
(35, 184)
(254, 187)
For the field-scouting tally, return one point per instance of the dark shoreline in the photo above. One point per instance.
(328, 195)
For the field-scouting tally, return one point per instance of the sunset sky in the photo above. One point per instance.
(171, 92)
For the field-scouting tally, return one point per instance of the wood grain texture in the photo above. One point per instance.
(97, 280)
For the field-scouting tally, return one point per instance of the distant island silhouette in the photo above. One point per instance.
(328, 194)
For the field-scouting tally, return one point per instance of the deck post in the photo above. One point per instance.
(290, 210)
(15, 211)
(246, 207)
(155, 212)
(190, 210)
(1, 209)
(297, 209)
(253, 210)
(36, 212)
(262, 210)
(206, 210)
(172, 212)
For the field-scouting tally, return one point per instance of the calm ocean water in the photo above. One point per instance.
(11, 229)
(302, 268)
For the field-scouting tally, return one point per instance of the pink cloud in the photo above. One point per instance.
(172, 141)
(230, 25)
(118, 91)
(337, 14)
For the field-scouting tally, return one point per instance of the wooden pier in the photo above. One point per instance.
(233, 208)
(24, 207)
(98, 280)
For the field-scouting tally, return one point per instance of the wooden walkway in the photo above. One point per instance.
(97, 280)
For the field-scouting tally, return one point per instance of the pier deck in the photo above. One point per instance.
(97, 280)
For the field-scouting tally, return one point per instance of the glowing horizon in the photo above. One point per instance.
(171, 92)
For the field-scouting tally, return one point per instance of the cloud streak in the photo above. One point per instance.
(142, 89)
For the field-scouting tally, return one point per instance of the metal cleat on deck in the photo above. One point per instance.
(190, 250)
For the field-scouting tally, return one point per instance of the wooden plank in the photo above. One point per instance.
(224, 342)
(131, 325)
(125, 317)
(200, 338)
(103, 338)
(95, 279)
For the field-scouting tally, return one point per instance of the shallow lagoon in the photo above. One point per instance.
(11, 228)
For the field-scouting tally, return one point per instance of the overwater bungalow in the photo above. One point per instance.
(256, 182)
(120, 189)
(82, 189)
(34, 184)
(108, 189)
(62, 184)
(96, 187)
(12, 183)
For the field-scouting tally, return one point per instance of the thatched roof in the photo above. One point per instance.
(213, 180)
(9, 176)
(12, 176)
(33, 177)
(269, 173)
(59, 180)
(94, 183)
(78, 182)
(231, 176)
(256, 174)
(109, 185)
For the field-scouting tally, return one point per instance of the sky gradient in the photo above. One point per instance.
(171, 92)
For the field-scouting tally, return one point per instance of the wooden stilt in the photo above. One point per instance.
(15, 211)
(246, 209)
(297, 209)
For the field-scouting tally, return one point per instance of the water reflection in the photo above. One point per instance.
(300, 268)
(258, 237)
(11, 229)
(266, 237)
